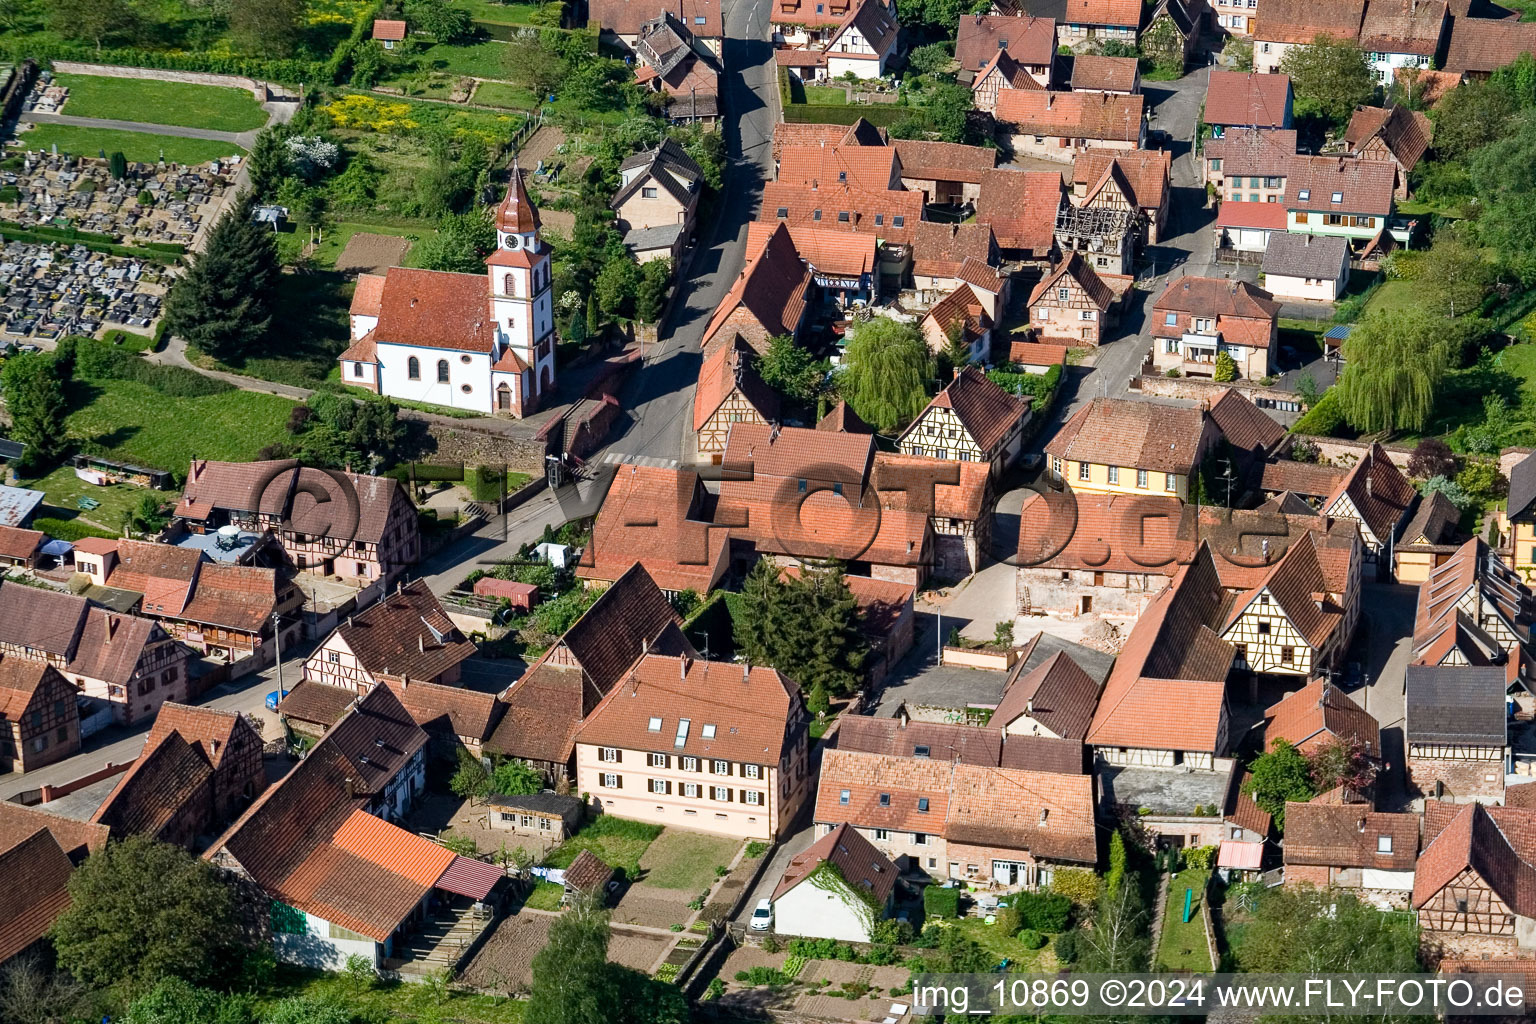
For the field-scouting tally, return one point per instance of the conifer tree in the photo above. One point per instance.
(222, 306)
(268, 164)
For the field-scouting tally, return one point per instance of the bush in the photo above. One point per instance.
(941, 902)
(881, 956)
(892, 932)
(104, 362)
(1043, 911)
(1065, 947)
(1080, 885)
(714, 990)
(1031, 939)
(1324, 418)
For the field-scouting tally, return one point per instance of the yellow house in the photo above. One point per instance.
(1520, 519)
(1126, 446)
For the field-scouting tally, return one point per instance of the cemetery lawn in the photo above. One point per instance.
(220, 108)
(137, 147)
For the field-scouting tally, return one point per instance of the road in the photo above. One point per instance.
(38, 117)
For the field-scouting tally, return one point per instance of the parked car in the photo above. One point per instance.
(762, 917)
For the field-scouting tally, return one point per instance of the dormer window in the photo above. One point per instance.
(1002, 44)
(783, 212)
(1304, 195)
(1338, 197)
(842, 797)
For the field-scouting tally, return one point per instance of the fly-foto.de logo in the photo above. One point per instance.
(321, 505)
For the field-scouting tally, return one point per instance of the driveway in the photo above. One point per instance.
(1384, 652)
(788, 849)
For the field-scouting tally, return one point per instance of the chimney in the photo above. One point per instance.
(111, 627)
(746, 672)
(1029, 705)
(1306, 241)
(902, 718)
(1361, 824)
(1050, 100)
(645, 647)
(351, 784)
(349, 621)
(421, 644)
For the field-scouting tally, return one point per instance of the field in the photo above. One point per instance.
(355, 249)
(504, 94)
(617, 842)
(138, 147)
(136, 423)
(505, 962)
(494, 13)
(993, 940)
(484, 58)
(63, 489)
(391, 1000)
(144, 99)
(1183, 945)
(1391, 297)
(686, 860)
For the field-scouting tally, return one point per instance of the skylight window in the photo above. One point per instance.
(655, 724)
(885, 799)
(920, 750)
(1338, 197)
(682, 732)
(922, 803)
(709, 731)
(1304, 194)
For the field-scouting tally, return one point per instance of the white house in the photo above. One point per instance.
(484, 343)
(864, 44)
(839, 888)
(1314, 267)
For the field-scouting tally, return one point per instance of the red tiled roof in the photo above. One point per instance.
(46, 620)
(1120, 13)
(1248, 99)
(19, 543)
(1021, 207)
(406, 635)
(1347, 836)
(899, 480)
(889, 214)
(858, 863)
(163, 573)
(587, 873)
(1406, 133)
(1317, 712)
(1213, 297)
(1109, 117)
(167, 777)
(1132, 433)
(985, 410)
(772, 290)
(1093, 73)
(902, 737)
(389, 31)
(368, 295)
(1481, 45)
(1144, 171)
(1301, 21)
(1058, 694)
(655, 517)
(1033, 353)
(860, 133)
(1015, 74)
(317, 703)
(838, 253)
(36, 873)
(451, 709)
(944, 161)
(1292, 583)
(1076, 268)
(1244, 424)
(943, 250)
(1403, 26)
(1498, 843)
(240, 597)
(1027, 40)
(1379, 491)
(1266, 216)
(843, 420)
(865, 167)
(75, 838)
(517, 214)
(1262, 151)
(624, 17)
(1363, 186)
(111, 646)
(883, 791)
(435, 309)
(962, 312)
(1049, 814)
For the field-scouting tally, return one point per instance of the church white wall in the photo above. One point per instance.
(475, 374)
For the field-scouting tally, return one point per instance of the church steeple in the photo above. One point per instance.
(517, 215)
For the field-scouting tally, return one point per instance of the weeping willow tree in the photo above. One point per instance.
(886, 371)
(1393, 368)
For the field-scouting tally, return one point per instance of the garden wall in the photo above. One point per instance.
(257, 88)
(1272, 400)
(481, 447)
(1340, 452)
(967, 657)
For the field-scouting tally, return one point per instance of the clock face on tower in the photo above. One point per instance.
(514, 242)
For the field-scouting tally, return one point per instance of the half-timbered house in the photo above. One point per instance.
(972, 420)
(1135, 182)
(1072, 304)
(767, 300)
(1473, 610)
(959, 512)
(984, 41)
(39, 720)
(998, 74)
(730, 391)
(1291, 624)
(1430, 539)
(1456, 731)
(1377, 496)
(407, 636)
(1470, 884)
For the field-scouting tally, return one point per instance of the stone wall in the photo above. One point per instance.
(1339, 452)
(1116, 595)
(258, 89)
(1201, 390)
(1464, 780)
(481, 447)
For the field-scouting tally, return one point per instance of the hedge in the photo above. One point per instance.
(69, 529)
(105, 362)
(879, 115)
(1323, 418)
(941, 902)
(47, 236)
(288, 72)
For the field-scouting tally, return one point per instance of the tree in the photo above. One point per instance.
(1118, 940)
(1330, 77)
(933, 59)
(470, 780)
(651, 293)
(1342, 762)
(1482, 481)
(461, 244)
(1226, 367)
(1394, 364)
(1302, 929)
(32, 993)
(117, 165)
(1452, 275)
(34, 397)
(1279, 775)
(222, 306)
(532, 63)
(616, 285)
(1163, 47)
(268, 163)
(312, 156)
(141, 910)
(940, 16)
(147, 514)
(885, 373)
(1002, 633)
(1468, 118)
(791, 370)
(1504, 178)
(367, 64)
(572, 980)
(93, 20)
(516, 778)
(361, 971)
(272, 27)
(434, 17)
(1432, 457)
(1240, 50)
(806, 627)
(594, 321)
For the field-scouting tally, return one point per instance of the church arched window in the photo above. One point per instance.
(442, 371)
(510, 287)
(413, 368)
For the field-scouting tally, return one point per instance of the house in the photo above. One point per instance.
(623, 22)
(39, 720)
(1351, 846)
(840, 887)
(128, 662)
(859, 133)
(1318, 715)
(1126, 446)
(20, 547)
(1403, 34)
(1056, 699)
(1234, 17)
(997, 48)
(958, 820)
(453, 716)
(1104, 235)
(1198, 317)
(888, 214)
(1456, 731)
(946, 173)
(1282, 24)
(1520, 525)
(1429, 540)
(1252, 435)
(1248, 227)
(200, 767)
(846, 267)
(701, 745)
(486, 341)
(78, 839)
(1243, 99)
(1081, 21)
(871, 168)
(657, 518)
(1135, 181)
(1072, 304)
(1021, 209)
(1249, 164)
(1291, 624)
(886, 616)
(1337, 195)
(956, 496)
(1379, 498)
(945, 256)
(730, 391)
(1394, 135)
(588, 878)
(294, 505)
(809, 24)
(547, 816)
(1164, 705)
(1094, 73)
(794, 493)
(1184, 19)
(547, 704)
(1476, 47)
(767, 300)
(1036, 357)
(18, 505)
(1469, 885)
(1312, 268)
(675, 62)
(407, 636)
(38, 872)
(1059, 125)
(960, 318)
(659, 191)
(864, 43)
(971, 420)
(387, 33)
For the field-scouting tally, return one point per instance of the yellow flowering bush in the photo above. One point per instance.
(370, 114)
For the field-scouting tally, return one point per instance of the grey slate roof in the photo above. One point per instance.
(659, 236)
(1522, 486)
(1319, 256)
(1456, 704)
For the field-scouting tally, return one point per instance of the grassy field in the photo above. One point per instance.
(824, 94)
(136, 423)
(138, 147)
(1391, 297)
(1006, 947)
(686, 860)
(400, 1000)
(128, 341)
(497, 13)
(63, 489)
(485, 58)
(504, 94)
(144, 99)
(1183, 945)
(617, 842)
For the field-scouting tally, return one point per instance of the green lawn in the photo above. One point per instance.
(617, 842)
(505, 94)
(1391, 297)
(1183, 946)
(686, 860)
(494, 13)
(486, 58)
(824, 94)
(139, 147)
(128, 341)
(63, 489)
(545, 896)
(136, 423)
(393, 1001)
(144, 99)
(1005, 947)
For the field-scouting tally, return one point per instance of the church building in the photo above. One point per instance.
(485, 343)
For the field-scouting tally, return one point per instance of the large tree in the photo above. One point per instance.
(1452, 276)
(791, 370)
(886, 372)
(1504, 177)
(223, 304)
(1278, 775)
(272, 27)
(573, 982)
(1470, 116)
(268, 164)
(94, 21)
(462, 242)
(1394, 364)
(141, 910)
(34, 398)
(1309, 930)
(444, 23)
(806, 627)
(1331, 77)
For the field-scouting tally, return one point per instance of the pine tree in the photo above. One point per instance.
(222, 306)
(35, 400)
(594, 323)
(759, 592)
(268, 164)
(117, 164)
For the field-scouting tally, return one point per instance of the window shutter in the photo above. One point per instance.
(619, 782)
(669, 789)
(618, 756)
(730, 795)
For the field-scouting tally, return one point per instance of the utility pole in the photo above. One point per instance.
(277, 639)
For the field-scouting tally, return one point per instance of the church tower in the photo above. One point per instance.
(521, 301)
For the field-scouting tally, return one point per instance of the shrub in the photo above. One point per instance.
(881, 956)
(714, 990)
(1043, 911)
(1065, 947)
(1031, 939)
(941, 902)
(1323, 418)
(1009, 920)
(104, 362)
(892, 932)
(1080, 885)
